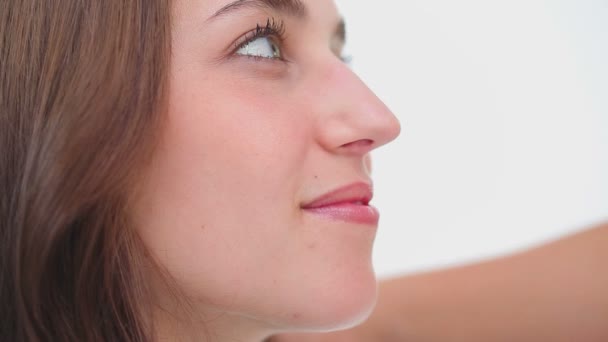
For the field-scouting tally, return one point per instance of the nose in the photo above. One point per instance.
(354, 120)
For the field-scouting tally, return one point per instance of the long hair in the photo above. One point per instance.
(81, 103)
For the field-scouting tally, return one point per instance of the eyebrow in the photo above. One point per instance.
(294, 8)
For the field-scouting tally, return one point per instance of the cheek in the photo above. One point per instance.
(220, 197)
(245, 149)
(244, 124)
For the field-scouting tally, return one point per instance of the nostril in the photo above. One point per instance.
(362, 145)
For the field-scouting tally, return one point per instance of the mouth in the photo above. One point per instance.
(349, 203)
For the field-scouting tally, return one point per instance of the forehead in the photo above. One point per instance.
(206, 9)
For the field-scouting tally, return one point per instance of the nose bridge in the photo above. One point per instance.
(356, 119)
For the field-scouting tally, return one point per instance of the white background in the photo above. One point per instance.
(504, 109)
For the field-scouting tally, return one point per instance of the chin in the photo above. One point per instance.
(342, 303)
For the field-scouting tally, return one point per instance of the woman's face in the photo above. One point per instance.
(264, 121)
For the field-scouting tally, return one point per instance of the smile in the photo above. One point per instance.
(349, 203)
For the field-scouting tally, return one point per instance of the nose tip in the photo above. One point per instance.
(373, 120)
(357, 121)
(391, 129)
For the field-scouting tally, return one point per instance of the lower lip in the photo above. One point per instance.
(348, 212)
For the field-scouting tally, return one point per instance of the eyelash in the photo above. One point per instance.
(273, 28)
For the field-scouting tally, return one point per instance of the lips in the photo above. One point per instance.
(349, 203)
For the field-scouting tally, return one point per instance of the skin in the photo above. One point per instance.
(246, 142)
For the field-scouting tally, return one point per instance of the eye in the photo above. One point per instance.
(264, 47)
(265, 41)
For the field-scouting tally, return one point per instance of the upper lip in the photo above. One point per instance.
(356, 193)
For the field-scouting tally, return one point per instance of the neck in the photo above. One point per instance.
(211, 326)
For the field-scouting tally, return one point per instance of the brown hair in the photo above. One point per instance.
(81, 98)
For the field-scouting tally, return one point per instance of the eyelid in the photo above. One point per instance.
(273, 29)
